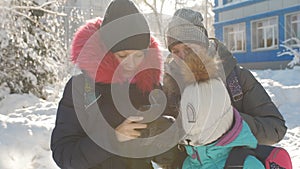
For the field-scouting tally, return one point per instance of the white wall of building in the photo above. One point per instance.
(256, 8)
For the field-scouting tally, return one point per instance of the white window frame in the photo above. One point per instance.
(238, 31)
(233, 1)
(288, 26)
(264, 28)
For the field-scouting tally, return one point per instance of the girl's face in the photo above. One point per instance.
(181, 49)
(130, 61)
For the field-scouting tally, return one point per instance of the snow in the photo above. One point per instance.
(26, 121)
(25, 126)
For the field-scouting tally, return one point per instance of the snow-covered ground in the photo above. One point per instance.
(26, 122)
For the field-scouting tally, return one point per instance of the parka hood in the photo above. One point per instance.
(93, 58)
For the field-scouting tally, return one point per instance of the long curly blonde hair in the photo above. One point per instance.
(199, 67)
(194, 68)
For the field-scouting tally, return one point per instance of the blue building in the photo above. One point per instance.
(254, 29)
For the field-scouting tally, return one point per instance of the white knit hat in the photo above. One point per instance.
(206, 112)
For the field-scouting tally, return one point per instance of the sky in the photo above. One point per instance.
(26, 122)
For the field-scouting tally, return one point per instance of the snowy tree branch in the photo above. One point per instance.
(291, 50)
(285, 53)
(39, 8)
(154, 9)
(47, 3)
(26, 16)
(162, 5)
(292, 39)
(149, 5)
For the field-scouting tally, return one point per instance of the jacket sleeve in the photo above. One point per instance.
(70, 145)
(258, 110)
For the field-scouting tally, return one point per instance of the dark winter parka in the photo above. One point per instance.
(255, 106)
(71, 145)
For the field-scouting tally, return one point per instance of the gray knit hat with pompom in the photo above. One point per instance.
(186, 26)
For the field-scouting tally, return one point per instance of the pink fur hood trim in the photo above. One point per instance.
(91, 55)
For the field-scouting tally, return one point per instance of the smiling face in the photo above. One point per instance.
(130, 61)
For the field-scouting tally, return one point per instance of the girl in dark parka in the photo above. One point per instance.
(111, 54)
(255, 105)
(186, 32)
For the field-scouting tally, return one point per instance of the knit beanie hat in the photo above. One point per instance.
(186, 26)
(124, 27)
(206, 112)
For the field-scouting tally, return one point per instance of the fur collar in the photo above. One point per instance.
(91, 55)
(194, 68)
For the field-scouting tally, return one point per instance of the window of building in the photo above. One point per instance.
(231, 1)
(292, 26)
(265, 34)
(235, 37)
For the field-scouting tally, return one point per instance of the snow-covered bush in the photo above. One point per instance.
(291, 47)
(32, 48)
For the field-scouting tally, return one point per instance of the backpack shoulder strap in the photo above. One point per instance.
(237, 157)
(91, 95)
(234, 86)
(262, 151)
(232, 81)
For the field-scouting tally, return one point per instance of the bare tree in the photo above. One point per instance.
(156, 7)
(159, 20)
(205, 8)
(180, 4)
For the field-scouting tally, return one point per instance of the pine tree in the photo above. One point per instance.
(32, 49)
